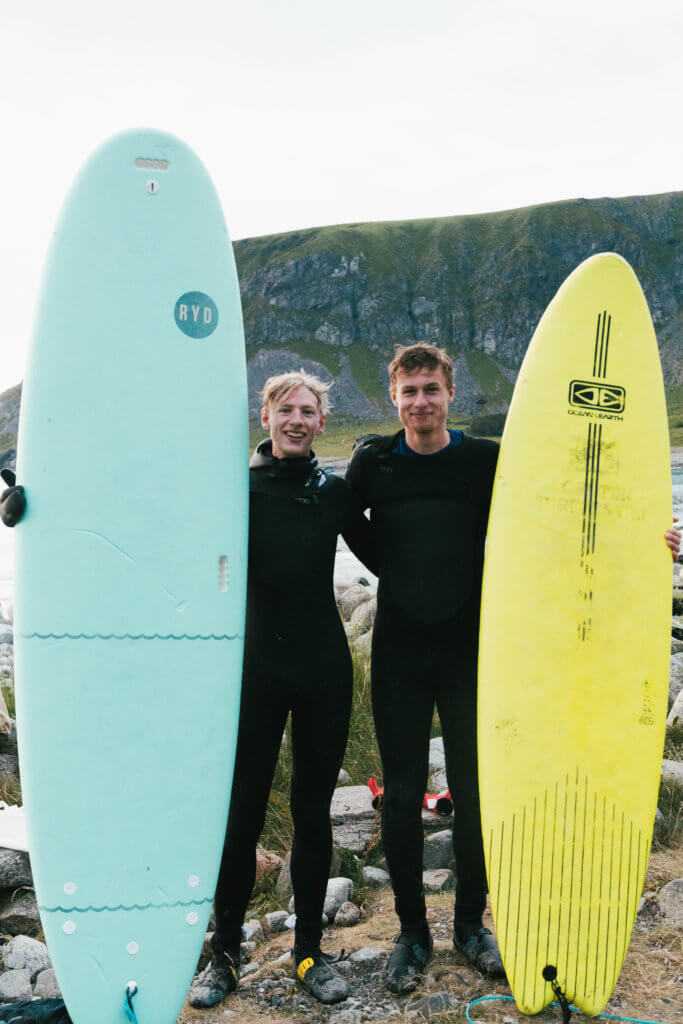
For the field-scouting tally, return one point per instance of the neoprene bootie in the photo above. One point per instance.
(480, 947)
(217, 980)
(314, 971)
(408, 960)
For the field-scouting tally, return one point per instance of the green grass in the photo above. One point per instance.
(487, 375)
(369, 372)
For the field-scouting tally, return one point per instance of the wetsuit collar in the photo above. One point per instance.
(263, 458)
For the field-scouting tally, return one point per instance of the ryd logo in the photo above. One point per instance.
(604, 397)
(196, 314)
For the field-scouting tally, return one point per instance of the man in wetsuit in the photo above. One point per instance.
(429, 489)
(296, 659)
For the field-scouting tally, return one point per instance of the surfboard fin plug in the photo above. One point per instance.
(131, 991)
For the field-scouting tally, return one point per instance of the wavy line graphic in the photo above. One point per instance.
(122, 906)
(130, 636)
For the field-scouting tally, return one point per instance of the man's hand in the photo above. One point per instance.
(13, 500)
(673, 539)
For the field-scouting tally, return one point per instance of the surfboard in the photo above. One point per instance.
(130, 575)
(575, 638)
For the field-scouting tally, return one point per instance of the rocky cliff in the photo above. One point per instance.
(337, 299)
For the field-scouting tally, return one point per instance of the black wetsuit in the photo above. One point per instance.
(296, 659)
(430, 515)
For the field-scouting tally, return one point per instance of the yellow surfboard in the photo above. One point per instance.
(574, 661)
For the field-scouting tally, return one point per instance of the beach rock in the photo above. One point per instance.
(6, 635)
(347, 915)
(368, 955)
(660, 824)
(276, 921)
(376, 878)
(20, 916)
(247, 969)
(676, 646)
(355, 837)
(675, 717)
(15, 986)
(15, 869)
(352, 597)
(675, 677)
(253, 930)
(438, 850)
(433, 822)
(7, 611)
(677, 627)
(437, 765)
(351, 804)
(672, 771)
(670, 899)
(267, 863)
(339, 890)
(438, 881)
(364, 615)
(283, 886)
(46, 986)
(429, 1006)
(8, 740)
(347, 1015)
(24, 952)
(343, 779)
(9, 766)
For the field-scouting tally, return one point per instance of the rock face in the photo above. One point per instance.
(353, 818)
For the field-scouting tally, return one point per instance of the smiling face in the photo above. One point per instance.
(422, 398)
(293, 422)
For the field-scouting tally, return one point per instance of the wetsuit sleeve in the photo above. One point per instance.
(358, 532)
(356, 477)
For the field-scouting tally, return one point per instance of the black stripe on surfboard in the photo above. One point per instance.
(512, 847)
(606, 347)
(600, 891)
(537, 973)
(596, 485)
(519, 886)
(532, 876)
(583, 862)
(597, 346)
(571, 879)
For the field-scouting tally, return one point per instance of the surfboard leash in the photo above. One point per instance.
(131, 991)
(511, 999)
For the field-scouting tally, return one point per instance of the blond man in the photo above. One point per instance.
(296, 661)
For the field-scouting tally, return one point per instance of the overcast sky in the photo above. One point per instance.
(308, 112)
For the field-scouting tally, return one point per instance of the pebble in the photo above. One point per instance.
(376, 878)
(15, 985)
(347, 915)
(368, 955)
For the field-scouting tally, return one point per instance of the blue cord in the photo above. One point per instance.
(510, 999)
(131, 990)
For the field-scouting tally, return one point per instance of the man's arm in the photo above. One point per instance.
(12, 500)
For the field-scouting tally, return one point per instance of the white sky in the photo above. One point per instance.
(308, 112)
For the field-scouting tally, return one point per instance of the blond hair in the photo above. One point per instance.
(420, 356)
(278, 388)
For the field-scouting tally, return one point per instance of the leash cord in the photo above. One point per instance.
(510, 999)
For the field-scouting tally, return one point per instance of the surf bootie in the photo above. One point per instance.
(407, 962)
(480, 947)
(314, 971)
(219, 977)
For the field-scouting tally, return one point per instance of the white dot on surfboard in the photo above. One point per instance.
(193, 881)
(192, 918)
(70, 888)
(69, 927)
(132, 948)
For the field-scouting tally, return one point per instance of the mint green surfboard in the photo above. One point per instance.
(130, 576)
